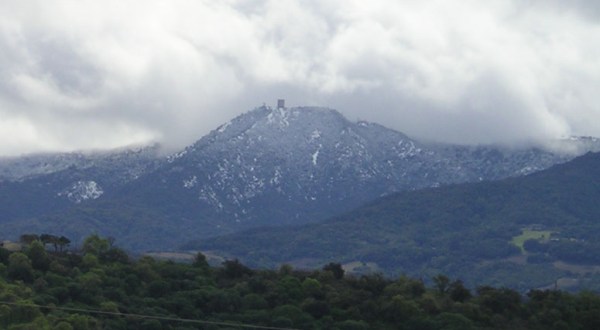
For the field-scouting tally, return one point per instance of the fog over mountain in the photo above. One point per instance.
(88, 74)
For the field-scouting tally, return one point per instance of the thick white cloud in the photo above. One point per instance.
(90, 74)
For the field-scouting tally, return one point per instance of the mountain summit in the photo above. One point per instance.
(283, 165)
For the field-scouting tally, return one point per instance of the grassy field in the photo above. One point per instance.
(526, 234)
(12, 246)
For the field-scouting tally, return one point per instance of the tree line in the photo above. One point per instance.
(47, 286)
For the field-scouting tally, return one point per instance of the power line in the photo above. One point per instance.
(143, 316)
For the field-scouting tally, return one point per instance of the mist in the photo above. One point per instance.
(88, 75)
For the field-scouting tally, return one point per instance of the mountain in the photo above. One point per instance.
(35, 185)
(269, 166)
(121, 165)
(479, 227)
(288, 166)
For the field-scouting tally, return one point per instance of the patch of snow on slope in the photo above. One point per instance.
(190, 183)
(276, 179)
(315, 135)
(316, 155)
(82, 190)
(178, 155)
(209, 196)
(407, 149)
(223, 127)
(278, 116)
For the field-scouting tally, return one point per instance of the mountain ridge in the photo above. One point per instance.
(269, 166)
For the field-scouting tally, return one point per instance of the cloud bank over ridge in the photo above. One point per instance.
(87, 74)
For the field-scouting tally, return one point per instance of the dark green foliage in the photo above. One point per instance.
(200, 261)
(95, 245)
(336, 269)
(458, 292)
(577, 251)
(534, 245)
(442, 283)
(38, 256)
(288, 298)
(233, 269)
(19, 267)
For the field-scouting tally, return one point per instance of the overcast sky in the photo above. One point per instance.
(99, 74)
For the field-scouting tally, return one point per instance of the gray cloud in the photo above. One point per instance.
(88, 74)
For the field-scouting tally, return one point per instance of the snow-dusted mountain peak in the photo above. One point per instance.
(279, 165)
(274, 166)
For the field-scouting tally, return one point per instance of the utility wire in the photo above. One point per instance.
(143, 316)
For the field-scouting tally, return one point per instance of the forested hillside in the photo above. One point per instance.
(101, 287)
(522, 232)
